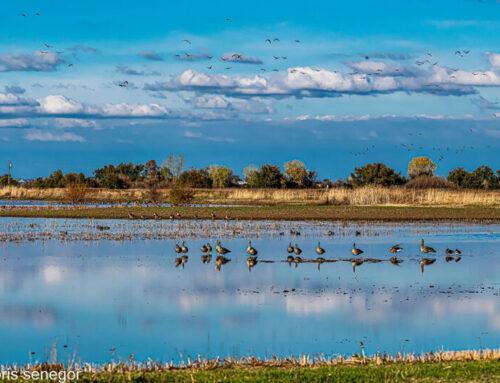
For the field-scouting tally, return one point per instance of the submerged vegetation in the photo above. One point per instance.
(442, 366)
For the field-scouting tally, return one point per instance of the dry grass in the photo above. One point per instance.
(365, 196)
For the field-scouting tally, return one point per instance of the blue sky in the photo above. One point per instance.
(339, 85)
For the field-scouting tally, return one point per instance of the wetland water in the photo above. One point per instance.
(91, 290)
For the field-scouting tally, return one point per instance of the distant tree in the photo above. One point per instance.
(269, 176)
(376, 174)
(421, 166)
(151, 172)
(172, 167)
(4, 181)
(482, 177)
(251, 174)
(296, 172)
(55, 180)
(109, 177)
(195, 178)
(221, 176)
(458, 176)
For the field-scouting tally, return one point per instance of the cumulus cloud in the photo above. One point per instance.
(150, 55)
(64, 107)
(74, 123)
(308, 82)
(219, 102)
(494, 59)
(367, 117)
(209, 102)
(14, 123)
(240, 58)
(46, 136)
(40, 61)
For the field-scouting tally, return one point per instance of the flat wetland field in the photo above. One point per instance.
(448, 371)
(299, 212)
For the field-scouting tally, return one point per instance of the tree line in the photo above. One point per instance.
(171, 172)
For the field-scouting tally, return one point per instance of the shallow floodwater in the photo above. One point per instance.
(91, 290)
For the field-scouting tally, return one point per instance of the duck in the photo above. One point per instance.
(290, 248)
(221, 250)
(251, 250)
(184, 248)
(204, 249)
(426, 249)
(297, 251)
(457, 252)
(448, 251)
(319, 250)
(355, 251)
(396, 249)
(178, 248)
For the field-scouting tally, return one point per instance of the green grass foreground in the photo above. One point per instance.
(449, 371)
(303, 212)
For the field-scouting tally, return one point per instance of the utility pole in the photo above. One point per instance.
(8, 174)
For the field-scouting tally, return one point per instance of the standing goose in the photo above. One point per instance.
(203, 249)
(209, 248)
(319, 250)
(448, 251)
(221, 250)
(250, 249)
(297, 251)
(355, 251)
(457, 252)
(184, 248)
(426, 249)
(290, 248)
(178, 249)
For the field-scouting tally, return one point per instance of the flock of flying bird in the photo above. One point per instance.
(294, 253)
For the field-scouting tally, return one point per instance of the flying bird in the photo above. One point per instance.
(186, 41)
(268, 41)
(297, 41)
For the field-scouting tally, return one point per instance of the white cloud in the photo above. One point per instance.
(57, 104)
(209, 102)
(494, 59)
(75, 123)
(45, 136)
(14, 123)
(44, 61)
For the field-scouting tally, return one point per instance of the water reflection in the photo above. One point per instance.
(93, 295)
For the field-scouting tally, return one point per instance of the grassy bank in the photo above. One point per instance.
(360, 213)
(461, 366)
(365, 196)
(456, 372)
